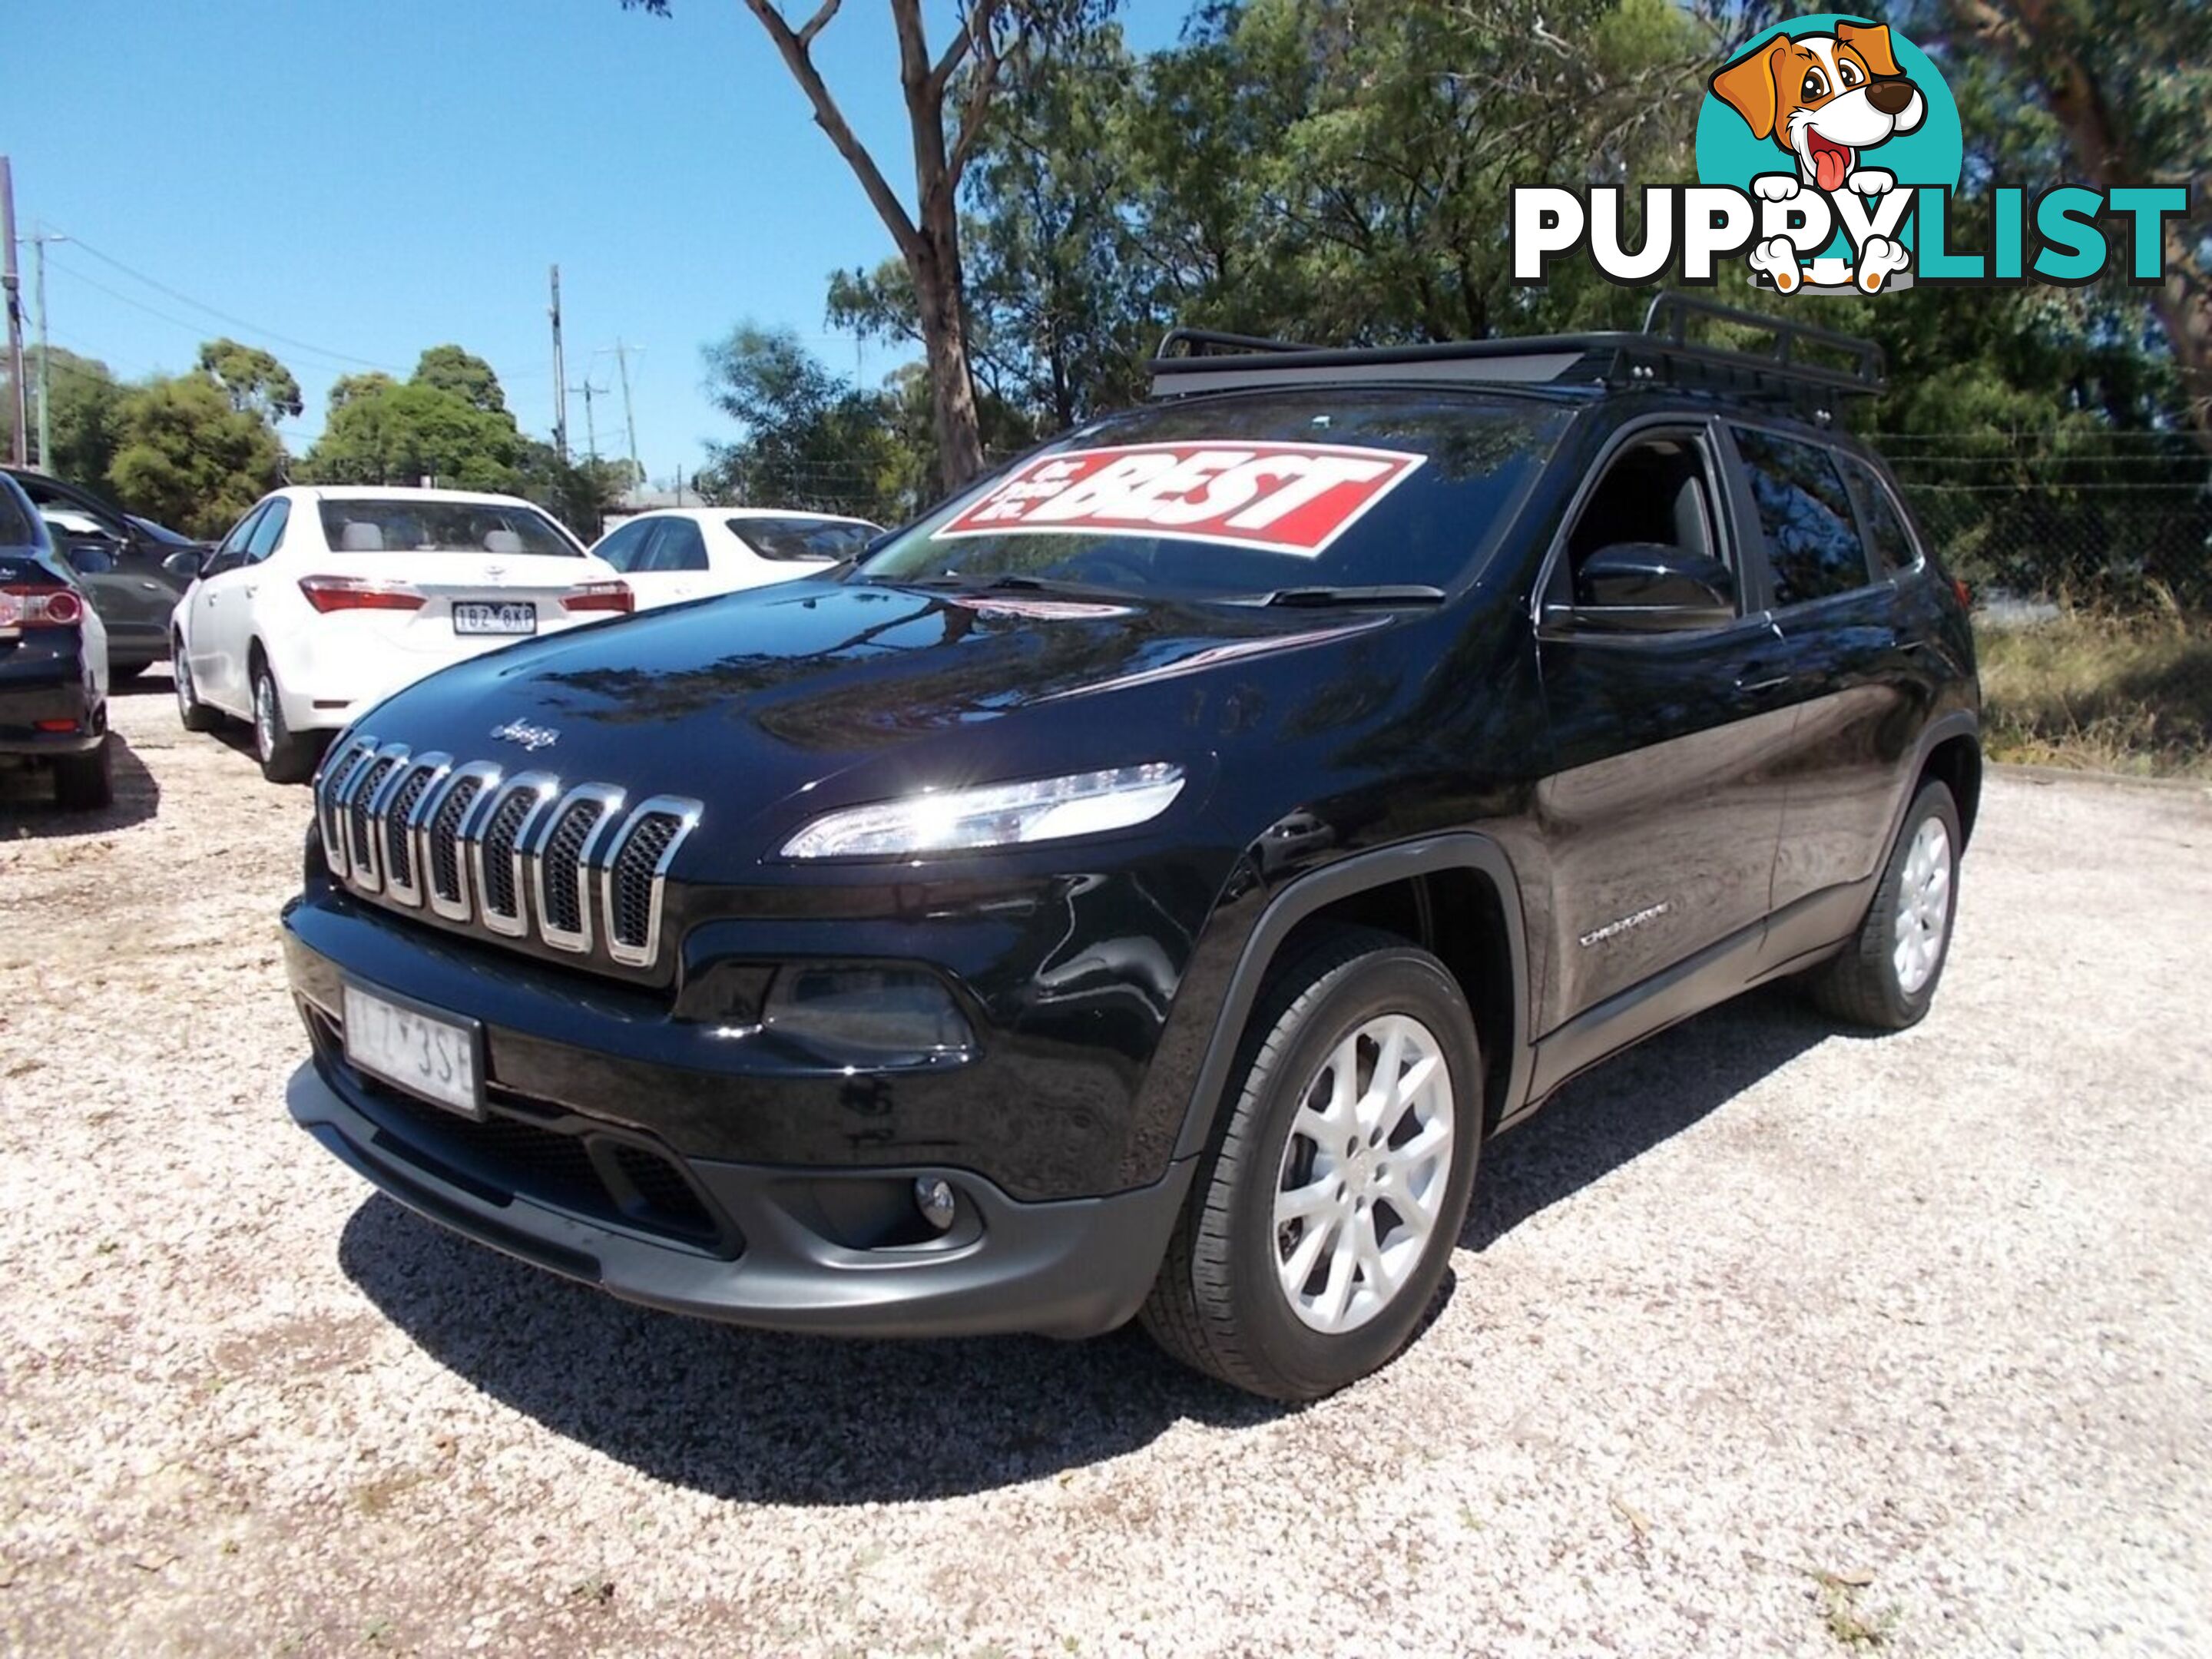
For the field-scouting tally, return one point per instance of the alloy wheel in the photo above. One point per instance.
(264, 716)
(1923, 907)
(1363, 1174)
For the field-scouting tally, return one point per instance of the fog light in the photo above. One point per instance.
(933, 1196)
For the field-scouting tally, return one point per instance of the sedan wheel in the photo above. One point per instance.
(196, 715)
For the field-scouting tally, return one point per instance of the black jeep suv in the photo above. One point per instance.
(1141, 886)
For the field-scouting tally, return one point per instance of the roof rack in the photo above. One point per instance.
(1663, 353)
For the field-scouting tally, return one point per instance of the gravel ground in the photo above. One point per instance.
(1764, 1339)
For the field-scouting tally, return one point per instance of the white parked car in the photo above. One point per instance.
(689, 552)
(324, 599)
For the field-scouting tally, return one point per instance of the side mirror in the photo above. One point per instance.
(185, 563)
(1647, 587)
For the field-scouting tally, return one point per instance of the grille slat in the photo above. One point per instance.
(444, 840)
(399, 850)
(501, 896)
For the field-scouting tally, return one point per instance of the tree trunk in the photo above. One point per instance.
(938, 290)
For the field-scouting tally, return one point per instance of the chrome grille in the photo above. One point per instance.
(512, 856)
(398, 831)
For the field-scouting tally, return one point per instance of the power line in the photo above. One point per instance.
(224, 316)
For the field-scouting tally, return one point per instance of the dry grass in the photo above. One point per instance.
(2101, 692)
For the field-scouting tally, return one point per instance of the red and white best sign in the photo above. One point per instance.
(1274, 497)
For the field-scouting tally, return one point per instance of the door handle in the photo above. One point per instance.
(248, 593)
(151, 587)
(1755, 678)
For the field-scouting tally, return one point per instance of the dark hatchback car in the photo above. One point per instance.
(134, 571)
(1140, 887)
(53, 664)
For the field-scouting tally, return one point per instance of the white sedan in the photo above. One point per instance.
(323, 601)
(689, 552)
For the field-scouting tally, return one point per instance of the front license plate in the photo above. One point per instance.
(479, 616)
(418, 1052)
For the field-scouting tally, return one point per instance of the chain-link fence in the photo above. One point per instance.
(2091, 567)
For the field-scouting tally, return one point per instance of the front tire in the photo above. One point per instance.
(1886, 978)
(284, 758)
(85, 783)
(1322, 1220)
(196, 715)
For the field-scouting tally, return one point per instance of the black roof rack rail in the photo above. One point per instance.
(1208, 341)
(1662, 353)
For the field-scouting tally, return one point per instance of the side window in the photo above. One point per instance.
(1888, 539)
(231, 553)
(680, 547)
(1812, 538)
(270, 532)
(622, 547)
(1656, 489)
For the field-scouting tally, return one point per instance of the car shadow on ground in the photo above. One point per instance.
(28, 810)
(767, 1418)
(1614, 1114)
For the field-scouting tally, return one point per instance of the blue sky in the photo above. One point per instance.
(368, 178)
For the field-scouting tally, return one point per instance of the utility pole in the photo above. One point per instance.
(591, 425)
(622, 355)
(38, 240)
(560, 378)
(13, 288)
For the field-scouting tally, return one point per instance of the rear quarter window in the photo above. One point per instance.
(1813, 547)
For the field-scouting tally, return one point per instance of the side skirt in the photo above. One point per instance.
(1814, 928)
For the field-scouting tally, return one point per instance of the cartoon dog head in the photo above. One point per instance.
(1823, 98)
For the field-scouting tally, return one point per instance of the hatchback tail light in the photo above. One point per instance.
(599, 596)
(329, 593)
(40, 606)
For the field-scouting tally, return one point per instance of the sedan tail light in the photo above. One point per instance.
(329, 593)
(40, 606)
(599, 596)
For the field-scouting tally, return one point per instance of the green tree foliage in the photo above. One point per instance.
(467, 376)
(187, 455)
(82, 421)
(449, 424)
(808, 439)
(252, 379)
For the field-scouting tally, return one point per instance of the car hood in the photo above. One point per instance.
(849, 690)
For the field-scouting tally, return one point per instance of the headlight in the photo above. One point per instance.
(998, 815)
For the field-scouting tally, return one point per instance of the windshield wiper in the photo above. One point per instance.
(1384, 593)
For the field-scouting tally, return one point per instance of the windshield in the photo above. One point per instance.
(398, 525)
(804, 539)
(1335, 488)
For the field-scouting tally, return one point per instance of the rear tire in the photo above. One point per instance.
(1322, 1219)
(196, 715)
(1886, 976)
(85, 783)
(284, 758)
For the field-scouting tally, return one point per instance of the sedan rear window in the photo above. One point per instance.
(803, 539)
(398, 526)
(1238, 496)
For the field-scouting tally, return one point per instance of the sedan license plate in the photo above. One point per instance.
(483, 617)
(418, 1052)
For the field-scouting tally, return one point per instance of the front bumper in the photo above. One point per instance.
(764, 1250)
